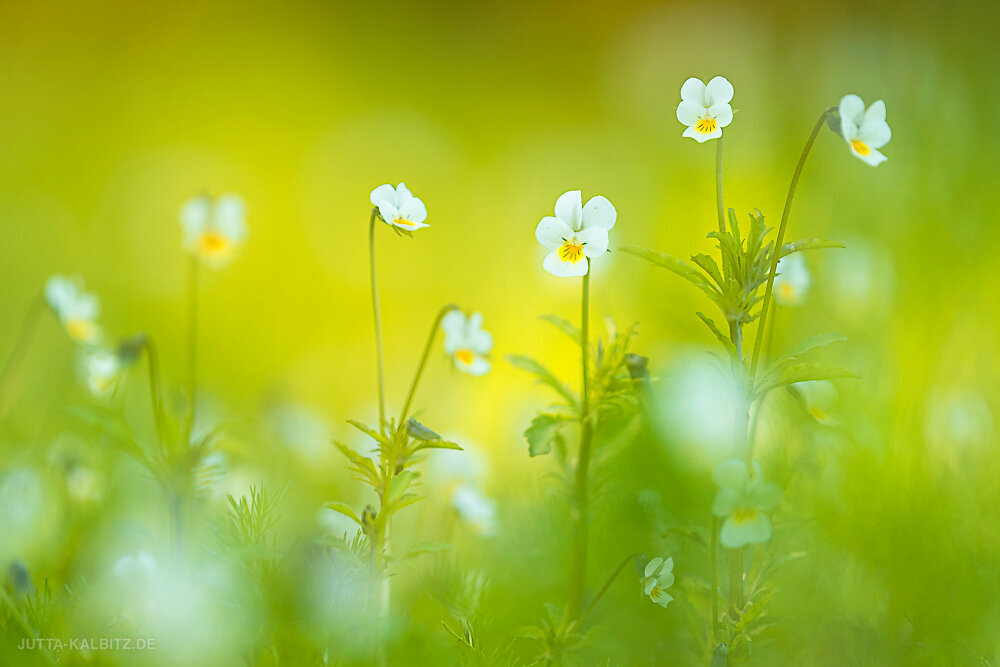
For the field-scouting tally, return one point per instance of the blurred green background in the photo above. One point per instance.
(113, 114)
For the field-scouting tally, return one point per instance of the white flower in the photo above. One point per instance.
(398, 207)
(466, 342)
(792, 280)
(705, 109)
(475, 508)
(76, 308)
(864, 131)
(659, 576)
(576, 233)
(102, 370)
(818, 397)
(212, 230)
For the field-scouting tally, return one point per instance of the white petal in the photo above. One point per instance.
(652, 566)
(595, 241)
(693, 90)
(383, 194)
(701, 137)
(852, 108)
(388, 211)
(874, 158)
(551, 232)
(723, 114)
(60, 291)
(194, 216)
(599, 212)
(479, 366)
(453, 323)
(718, 91)
(569, 208)
(562, 269)
(689, 113)
(876, 112)
(413, 210)
(230, 217)
(480, 342)
(875, 133)
(403, 194)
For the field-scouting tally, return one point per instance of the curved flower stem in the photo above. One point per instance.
(192, 372)
(578, 573)
(718, 184)
(378, 323)
(607, 584)
(17, 355)
(423, 359)
(776, 254)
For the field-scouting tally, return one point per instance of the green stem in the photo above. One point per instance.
(423, 359)
(154, 386)
(718, 184)
(192, 372)
(176, 505)
(378, 323)
(18, 354)
(578, 573)
(607, 584)
(742, 419)
(776, 253)
(714, 564)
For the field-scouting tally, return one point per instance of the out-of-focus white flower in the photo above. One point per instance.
(742, 501)
(659, 576)
(576, 233)
(957, 420)
(398, 207)
(466, 342)
(83, 484)
(140, 565)
(864, 131)
(103, 371)
(476, 509)
(818, 397)
(792, 281)
(705, 109)
(213, 230)
(76, 308)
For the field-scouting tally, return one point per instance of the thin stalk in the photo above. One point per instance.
(578, 573)
(192, 369)
(780, 239)
(607, 584)
(714, 564)
(378, 323)
(176, 505)
(742, 423)
(18, 354)
(718, 184)
(423, 359)
(152, 360)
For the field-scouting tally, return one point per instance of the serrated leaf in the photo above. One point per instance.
(564, 325)
(678, 266)
(367, 430)
(808, 244)
(542, 433)
(344, 509)
(722, 338)
(805, 372)
(544, 375)
(708, 265)
(363, 464)
(400, 483)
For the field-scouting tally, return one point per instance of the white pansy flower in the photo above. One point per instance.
(576, 233)
(466, 342)
(76, 308)
(864, 131)
(792, 281)
(398, 207)
(212, 230)
(705, 109)
(818, 397)
(475, 509)
(659, 576)
(102, 371)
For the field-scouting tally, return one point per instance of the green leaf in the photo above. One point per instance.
(543, 432)
(805, 372)
(426, 548)
(344, 509)
(678, 266)
(814, 342)
(362, 464)
(544, 375)
(808, 244)
(400, 483)
(565, 326)
(722, 338)
(710, 267)
(367, 430)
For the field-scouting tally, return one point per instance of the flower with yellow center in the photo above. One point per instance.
(864, 131)
(705, 109)
(213, 230)
(818, 396)
(102, 370)
(466, 342)
(576, 233)
(76, 308)
(658, 577)
(743, 501)
(398, 207)
(792, 280)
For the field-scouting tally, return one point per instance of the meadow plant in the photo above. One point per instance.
(750, 261)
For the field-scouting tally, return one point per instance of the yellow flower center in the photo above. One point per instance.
(818, 414)
(655, 592)
(741, 516)
(213, 243)
(786, 291)
(79, 329)
(571, 251)
(402, 222)
(860, 147)
(465, 356)
(706, 125)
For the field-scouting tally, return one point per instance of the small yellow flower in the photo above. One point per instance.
(213, 230)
